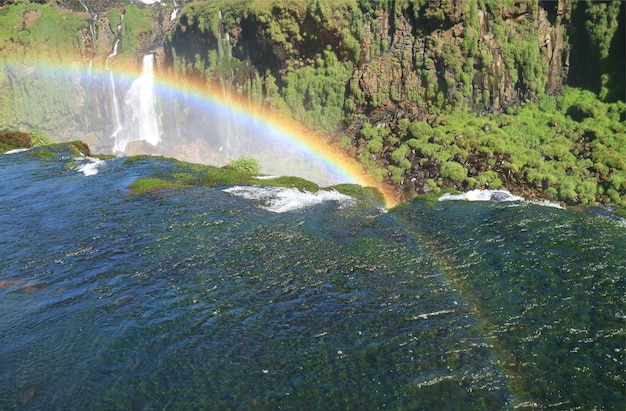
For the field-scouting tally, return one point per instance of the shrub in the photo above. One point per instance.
(567, 189)
(375, 145)
(245, 165)
(39, 138)
(419, 129)
(486, 178)
(453, 170)
(400, 153)
(405, 164)
(397, 174)
(587, 191)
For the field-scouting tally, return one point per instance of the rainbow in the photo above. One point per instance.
(317, 149)
(288, 131)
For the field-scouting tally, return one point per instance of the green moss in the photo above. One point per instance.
(245, 165)
(453, 171)
(225, 176)
(135, 26)
(150, 184)
(178, 175)
(290, 182)
(42, 154)
(620, 211)
(366, 194)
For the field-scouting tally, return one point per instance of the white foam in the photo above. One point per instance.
(494, 195)
(174, 14)
(281, 200)
(265, 177)
(482, 195)
(90, 167)
(546, 203)
(17, 150)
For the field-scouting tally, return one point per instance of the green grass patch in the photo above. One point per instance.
(368, 195)
(150, 184)
(290, 182)
(177, 174)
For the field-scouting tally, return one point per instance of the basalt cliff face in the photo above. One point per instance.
(407, 58)
(347, 67)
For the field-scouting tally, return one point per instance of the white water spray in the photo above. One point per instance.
(140, 103)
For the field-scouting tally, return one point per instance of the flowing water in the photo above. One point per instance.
(203, 298)
(140, 103)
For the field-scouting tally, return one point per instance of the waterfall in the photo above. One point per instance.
(117, 117)
(175, 12)
(140, 106)
(113, 54)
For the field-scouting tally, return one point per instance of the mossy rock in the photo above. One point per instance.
(12, 140)
(620, 211)
(366, 194)
(178, 175)
(291, 182)
(151, 184)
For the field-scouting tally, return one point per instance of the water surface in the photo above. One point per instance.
(204, 299)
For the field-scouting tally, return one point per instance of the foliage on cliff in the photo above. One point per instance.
(570, 148)
(429, 94)
(352, 56)
(433, 94)
(39, 39)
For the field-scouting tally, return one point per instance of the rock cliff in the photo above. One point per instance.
(411, 60)
(380, 78)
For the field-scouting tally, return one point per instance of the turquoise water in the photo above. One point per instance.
(203, 299)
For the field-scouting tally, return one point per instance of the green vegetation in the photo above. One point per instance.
(570, 148)
(312, 85)
(135, 25)
(598, 48)
(567, 148)
(368, 195)
(292, 182)
(35, 33)
(368, 70)
(11, 140)
(238, 172)
(39, 138)
(35, 40)
(40, 148)
(245, 165)
(150, 184)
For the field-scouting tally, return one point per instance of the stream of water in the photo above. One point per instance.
(208, 298)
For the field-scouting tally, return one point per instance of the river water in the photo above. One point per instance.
(207, 298)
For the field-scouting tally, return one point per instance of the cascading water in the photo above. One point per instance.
(269, 298)
(117, 117)
(142, 123)
(175, 12)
